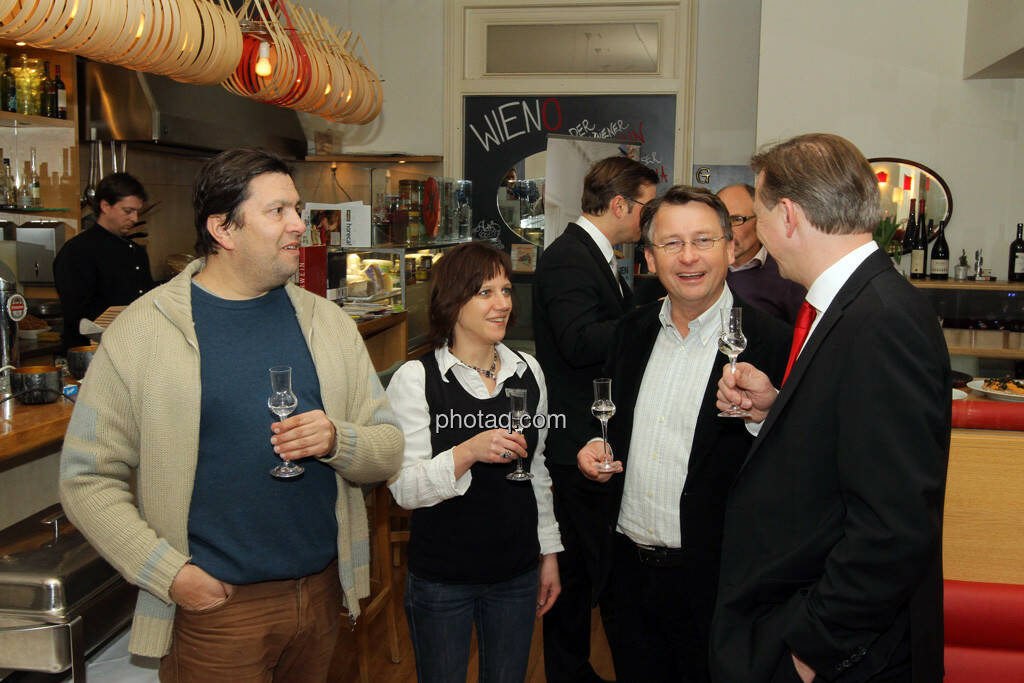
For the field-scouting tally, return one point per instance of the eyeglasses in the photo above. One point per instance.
(701, 243)
(740, 220)
(635, 201)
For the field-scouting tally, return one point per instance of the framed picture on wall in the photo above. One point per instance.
(524, 258)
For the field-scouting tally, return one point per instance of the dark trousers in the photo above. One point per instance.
(567, 624)
(662, 619)
(441, 618)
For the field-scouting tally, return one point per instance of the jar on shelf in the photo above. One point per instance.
(28, 76)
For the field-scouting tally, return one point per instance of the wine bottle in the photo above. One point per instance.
(910, 228)
(8, 192)
(47, 94)
(916, 248)
(9, 94)
(940, 255)
(1016, 270)
(5, 78)
(33, 182)
(62, 94)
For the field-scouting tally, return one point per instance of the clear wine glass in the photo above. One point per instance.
(516, 414)
(282, 402)
(603, 409)
(732, 342)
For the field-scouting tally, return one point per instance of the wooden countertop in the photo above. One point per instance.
(382, 323)
(24, 429)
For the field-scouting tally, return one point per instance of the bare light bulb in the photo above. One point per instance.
(263, 67)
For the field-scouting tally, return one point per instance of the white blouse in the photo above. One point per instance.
(425, 479)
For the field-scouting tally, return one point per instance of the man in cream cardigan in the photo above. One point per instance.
(242, 575)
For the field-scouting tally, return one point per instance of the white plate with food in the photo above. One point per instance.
(959, 395)
(1000, 388)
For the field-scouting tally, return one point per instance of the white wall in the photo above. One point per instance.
(888, 76)
(404, 41)
(725, 106)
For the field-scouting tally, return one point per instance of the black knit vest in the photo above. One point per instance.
(489, 534)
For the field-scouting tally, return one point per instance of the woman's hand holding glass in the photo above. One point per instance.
(489, 447)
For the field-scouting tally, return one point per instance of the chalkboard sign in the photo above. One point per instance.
(500, 131)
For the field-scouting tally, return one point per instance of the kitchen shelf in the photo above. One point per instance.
(12, 119)
(41, 209)
(970, 285)
(377, 158)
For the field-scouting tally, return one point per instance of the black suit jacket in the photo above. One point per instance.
(832, 539)
(576, 305)
(719, 443)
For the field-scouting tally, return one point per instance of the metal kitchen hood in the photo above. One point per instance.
(137, 107)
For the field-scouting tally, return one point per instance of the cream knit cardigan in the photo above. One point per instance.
(137, 418)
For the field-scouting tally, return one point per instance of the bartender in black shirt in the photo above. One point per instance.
(102, 267)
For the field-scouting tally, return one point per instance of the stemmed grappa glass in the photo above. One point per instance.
(516, 414)
(732, 342)
(603, 409)
(282, 402)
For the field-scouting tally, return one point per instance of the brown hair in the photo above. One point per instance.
(457, 277)
(222, 185)
(684, 194)
(611, 177)
(827, 176)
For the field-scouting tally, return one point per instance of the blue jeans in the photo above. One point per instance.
(441, 618)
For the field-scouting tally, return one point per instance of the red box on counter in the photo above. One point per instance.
(312, 273)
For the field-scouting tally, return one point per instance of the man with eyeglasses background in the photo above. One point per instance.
(664, 514)
(754, 275)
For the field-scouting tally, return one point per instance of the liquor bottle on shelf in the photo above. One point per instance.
(47, 94)
(61, 93)
(9, 95)
(8, 192)
(6, 82)
(910, 229)
(940, 254)
(33, 183)
(919, 248)
(1016, 270)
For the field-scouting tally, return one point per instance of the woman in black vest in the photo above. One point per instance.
(476, 536)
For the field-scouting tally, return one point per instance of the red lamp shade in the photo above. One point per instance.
(883, 177)
(907, 183)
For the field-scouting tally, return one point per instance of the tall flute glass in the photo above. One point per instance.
(517, 413)
(282, 402)
(603, 409)
(732, 342)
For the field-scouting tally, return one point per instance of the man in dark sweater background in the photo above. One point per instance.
(754, 276)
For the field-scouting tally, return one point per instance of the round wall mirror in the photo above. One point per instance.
(901, 180)
(520, 198)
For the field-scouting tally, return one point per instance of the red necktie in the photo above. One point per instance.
(803, 326)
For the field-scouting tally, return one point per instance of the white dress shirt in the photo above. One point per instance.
(825, 287)
(604, 245)
(664, 421)
(425, 479)
(822, 292)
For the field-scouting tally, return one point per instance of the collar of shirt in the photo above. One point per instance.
(757, 261)
(599, 238)
(511, 364)
(707, 325)
(824, 289)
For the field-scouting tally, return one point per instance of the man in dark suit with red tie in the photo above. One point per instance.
(577, 301)
(831, 564)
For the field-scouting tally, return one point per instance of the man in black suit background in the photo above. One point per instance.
(577, 300)
(831, 559)
(664, 514)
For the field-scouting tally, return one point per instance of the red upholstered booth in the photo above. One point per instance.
(984, 632)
